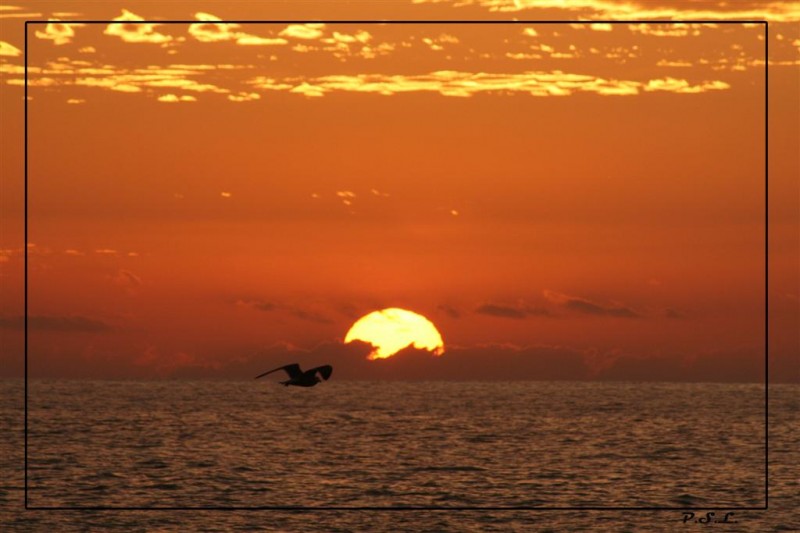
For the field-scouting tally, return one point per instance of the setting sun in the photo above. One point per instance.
(391, 330)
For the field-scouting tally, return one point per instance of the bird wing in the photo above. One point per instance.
(293, 370)
(325, 371)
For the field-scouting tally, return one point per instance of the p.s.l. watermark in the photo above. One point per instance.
(708, 518)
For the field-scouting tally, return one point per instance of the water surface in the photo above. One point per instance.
(377, 444)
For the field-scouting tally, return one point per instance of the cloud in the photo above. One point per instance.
(136, 33)
(596, 26)
(586, 307)
(29, 16)
(59, 33)
(450, 311)
(437, 43)
(670, 30)
(70, 72)
(465, 84)
(211, 29)
(257, 304)
(505, 311)
(55, 323)
(307, 90)
(682, 86)
(774, 11)
(344, 45)
(108, 83)
(673, 63)
(171, 98)
(720, 366)
(128, 278)
(181, 83)
(500, 311)
(307, 315)
(672, 313)
(360, 36)
(245, 39)
(244, 97)
(76, 101)
(9, 50)
(172, 364)
(346, 197)
(303, 31)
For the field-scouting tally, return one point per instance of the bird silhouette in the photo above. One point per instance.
(298, 378)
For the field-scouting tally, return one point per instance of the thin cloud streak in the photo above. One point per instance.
(583, 306)
(307, 315)
(504, 311)
(609, 9)
(465, 84)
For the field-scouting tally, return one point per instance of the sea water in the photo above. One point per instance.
(399, 444)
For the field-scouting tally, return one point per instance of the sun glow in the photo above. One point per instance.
(391, 330)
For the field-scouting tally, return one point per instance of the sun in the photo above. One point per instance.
(390, 330)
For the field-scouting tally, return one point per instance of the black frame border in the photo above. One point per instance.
(300, 508)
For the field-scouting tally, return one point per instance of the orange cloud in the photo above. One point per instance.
(671, 63)
(108, 83)
(170, 98)
(211, 29)
(84, 73)
(136, 33)
(360, 36)
(303, 31)
(583, 306)
(12, 12)
(10, 50)
(245, 39)
(683, 86)
(669, 30)
(244, 97)
(59, 33)
(437, 44)
(465, 84)
(774, 11)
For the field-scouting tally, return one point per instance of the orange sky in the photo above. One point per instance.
(577, 200)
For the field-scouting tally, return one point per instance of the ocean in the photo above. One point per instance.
(445, 445)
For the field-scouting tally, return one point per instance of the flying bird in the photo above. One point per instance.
(298, 378)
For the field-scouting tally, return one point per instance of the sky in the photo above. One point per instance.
(581, 200)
